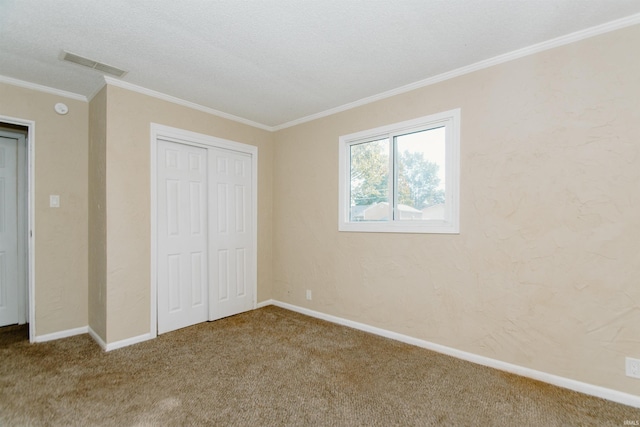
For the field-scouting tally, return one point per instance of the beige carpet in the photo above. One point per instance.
(273, 367)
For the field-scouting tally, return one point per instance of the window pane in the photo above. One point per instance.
(369, 197)
(420, 159)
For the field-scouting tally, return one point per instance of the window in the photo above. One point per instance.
(402, 178)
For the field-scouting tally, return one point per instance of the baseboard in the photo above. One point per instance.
(265, 303)
(118, 344)
(590, 389)
(127, 342)
(97, 338)
(62, 334)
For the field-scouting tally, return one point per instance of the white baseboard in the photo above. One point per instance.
(118, 344)
(127, 342)
(265, 303)
(97, 338)
(62, 334)
(590, 389)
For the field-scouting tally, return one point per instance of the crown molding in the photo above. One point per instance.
(96, 91)
(184, 103)
(41, 88)
(500, 59)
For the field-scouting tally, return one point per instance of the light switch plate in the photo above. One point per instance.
(54, 201)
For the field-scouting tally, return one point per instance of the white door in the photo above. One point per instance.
(182, 266)
(9, 288)
(232, 251)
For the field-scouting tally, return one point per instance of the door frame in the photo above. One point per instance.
(30, 188)
(182, 136)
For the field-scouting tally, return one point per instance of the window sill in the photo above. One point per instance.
(435, 227)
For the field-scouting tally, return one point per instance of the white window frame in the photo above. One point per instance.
(451, 224)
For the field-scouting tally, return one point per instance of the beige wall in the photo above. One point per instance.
(60, 233)
(130, 115)
(97, 214)
(544, 273)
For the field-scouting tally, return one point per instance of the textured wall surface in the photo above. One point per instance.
(60, 233)
(97, 286)
(544, 273)
(130, 115)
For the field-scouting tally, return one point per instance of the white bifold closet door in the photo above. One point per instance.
(232, 242)
(183, 273)
(205, 241)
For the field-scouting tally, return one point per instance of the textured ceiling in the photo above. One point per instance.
(275, 61)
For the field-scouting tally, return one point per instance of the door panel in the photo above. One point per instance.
(231, 241)
(182, 235)
(8, 231)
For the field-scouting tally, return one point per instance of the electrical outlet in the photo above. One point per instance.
(54, 201)
(633, 367)
(309, 296)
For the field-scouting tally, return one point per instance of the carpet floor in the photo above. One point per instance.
(273, 367)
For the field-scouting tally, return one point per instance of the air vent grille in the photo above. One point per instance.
(77, 59)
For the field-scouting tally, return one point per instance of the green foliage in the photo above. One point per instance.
(370, 172)
(418, 181)
(417, 177)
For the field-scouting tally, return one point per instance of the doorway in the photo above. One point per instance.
(204, 228)
(14, 220)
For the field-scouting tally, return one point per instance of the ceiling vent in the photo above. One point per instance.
(77, 59)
